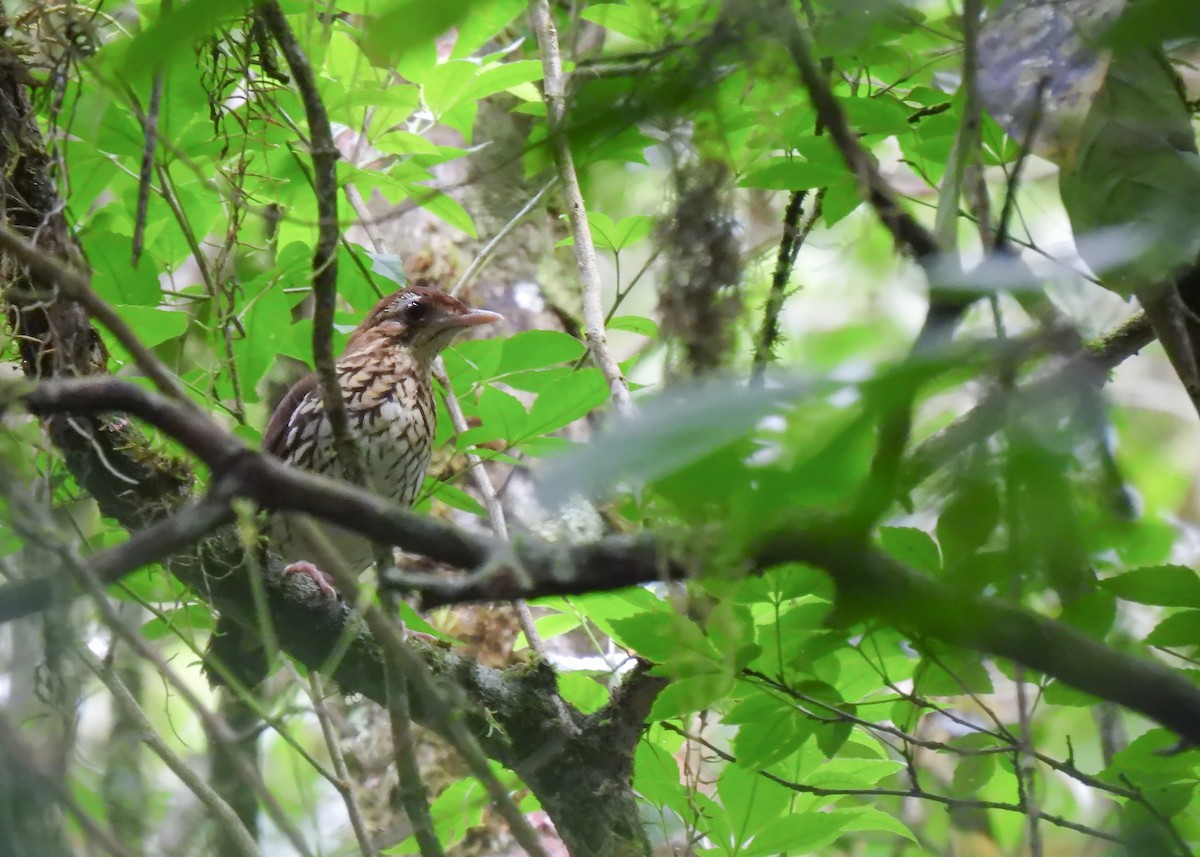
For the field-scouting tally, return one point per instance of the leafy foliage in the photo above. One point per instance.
(791, 723)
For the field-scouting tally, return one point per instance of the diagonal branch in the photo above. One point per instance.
(906, 230)
(554, 93)
(324, 282)
(868, 582)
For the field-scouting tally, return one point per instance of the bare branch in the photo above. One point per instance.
(324, 282)
(554, 86)
(76, 287)
(222, 812)
(491, 499)
(342, 773)
(869, 583)
(908, 233)
(915, 793)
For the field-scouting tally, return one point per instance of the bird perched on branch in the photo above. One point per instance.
(384, 375)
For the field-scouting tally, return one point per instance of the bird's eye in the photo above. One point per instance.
(416, 311)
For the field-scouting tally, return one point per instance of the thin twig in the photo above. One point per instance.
(1003, 238)
(214, 726)
(223, 813)
(413, 794)
(554, 88)
(324, 154)
(907, 232)
(789, 246)
(914, 793)
(485, 255)
(149, 144)
(400, 656)
(479, 475)
(338, 760)
(491, 500)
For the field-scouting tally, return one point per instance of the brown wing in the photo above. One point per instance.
(276, 431)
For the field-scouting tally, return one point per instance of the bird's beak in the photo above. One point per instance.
(474, 318)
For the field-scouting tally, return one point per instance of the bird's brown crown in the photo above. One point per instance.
(419, 318)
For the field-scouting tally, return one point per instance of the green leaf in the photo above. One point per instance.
(486, 21)
(951, 673)
(455, 811)
(801, 833)
(468, 362)
(770, 729)
(266, 333)
(968, 520)
(456, 498)
(409, 24)
(663, 636)
(400, 142)
(1130, 194)
(537, 349)
(656, 775)
(581, 690)
(503, 76)
(414, 621)
(1149, 23)
(913, 547)
(502, 416)
(445, 85)
(153, 325)
(630, 230)
(390, 266)
(113, 276)
(688, 695)
(443, 207)
(567, 400)
(186, 620)
(876, 115)
(1180, 629)
(608, 235)
(792, 174)
(667, 435)
(635, 324)
(633, 22)
(1162, 585)
(870, 818)
(972, 773)
(547, 445)
(852, 772)
(174, 33)
(752, 802)
(549, 627)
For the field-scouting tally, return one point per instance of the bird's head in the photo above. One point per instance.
(420, 319)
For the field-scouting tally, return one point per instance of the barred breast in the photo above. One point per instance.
(392, 416)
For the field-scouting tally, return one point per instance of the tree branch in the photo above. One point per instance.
(324, 282)
(870, 583)
(554, 93)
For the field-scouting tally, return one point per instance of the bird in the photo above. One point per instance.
(385, 376)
